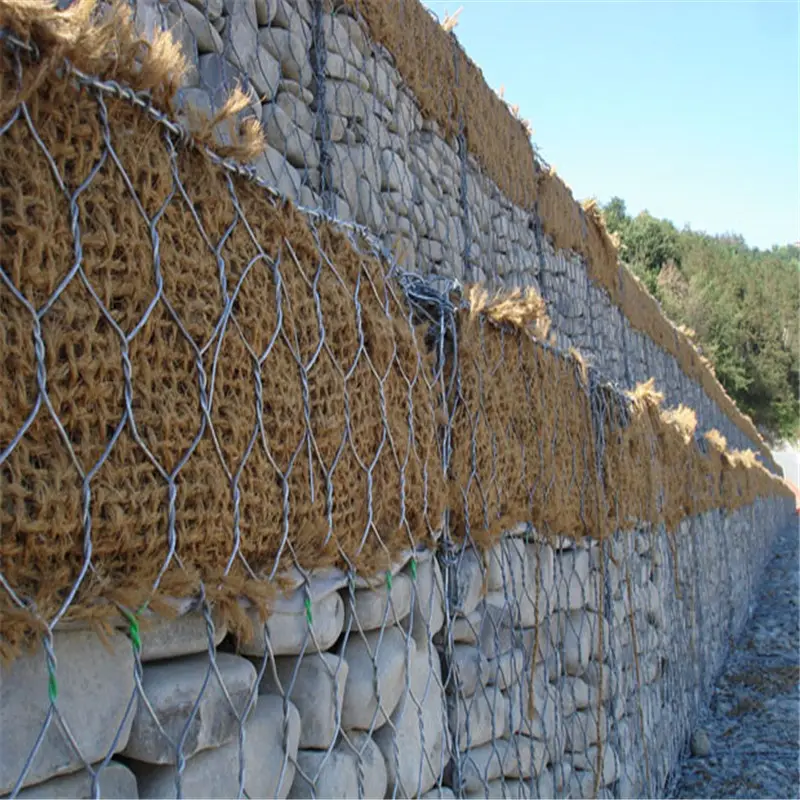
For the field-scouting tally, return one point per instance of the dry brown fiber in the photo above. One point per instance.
(451, 90)
(41, 492)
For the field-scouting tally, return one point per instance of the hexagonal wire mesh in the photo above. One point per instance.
(487, 659)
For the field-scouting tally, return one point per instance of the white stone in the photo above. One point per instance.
(470, 669)
(467, 630)
(265, 73)
(116, 781)
(336, 774)
(509, 668)
(376, 678)
(395, 174)
(581, 729)
(291, 51)
(468, 582)
(297, 111)
(438, 793)
(286, 137)
(573, 588)
(480, 718)
(290, 634)
(182, 636)
(208, 40)
(172, 689)
(265, 11)
(342, 35)
(380, 607)
(519, 757)
(95, 683)
(540, 719)
(516, 788)
(369, 211)
(317, 692)
(415, 745)
(587, 761)
(580, 639)
(427, 615)
(268, 759)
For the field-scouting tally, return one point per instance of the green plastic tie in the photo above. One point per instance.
(308, 610)
(133, 630)
(413, 569)
(388, 580)
(52, 685)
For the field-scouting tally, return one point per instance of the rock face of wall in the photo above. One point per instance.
(539, 669)
(346, 135)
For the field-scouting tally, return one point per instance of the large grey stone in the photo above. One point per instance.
(116, 781)
(265, 73)
(609, 763)
(336, 774)
(479, 719)
(316, 687)
(288, 138)
(266, 11)
(415, 745)
(182, 636)
(291, 51)
(275, 170)
(517, 757)
(95, 684)
(376, 678)
(469, 582)
(574, 590)
(581, 729)
(470, 669)
(297, 111)
(380, 607)
(540, 719)
(343, 35)
(207, 38)
(348, 163)
(395, 174)
(172, 688)
(268, 761)
(428, 603)
(290, 633)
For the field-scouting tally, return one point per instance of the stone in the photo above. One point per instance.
(506, 564)
(580, 639)
(369, 211)
(294, 88)
(439, 793)
(573, 588)
(581, 729)
(289, 633)
(95, 682)
(192, 105)
(273, 168)
(382, 82)
(468, 582)
(317, 693)
(265, 12)
(288, 11)
(509, 668)
(700, 744)
(291, 51)
(395, 174)
(182, 636)
(269, 760)
(518, 757)
(337, 67)
(116, 781)
(415, 745)
(587, 761)
(346, 100)
(543, 720)
(479, 719)
(378, 608)
(207, 38)
(336, 774)
(286, 137)
(468, 629)
(348, 163)
(343, 35)
(470, 669)
(505, 788)
(264, 71)
(427, 615)
(184, 688)
(297, 111)
(522, 572)
(577, 694)
(376, 678)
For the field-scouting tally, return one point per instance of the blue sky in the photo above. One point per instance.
(686, 109)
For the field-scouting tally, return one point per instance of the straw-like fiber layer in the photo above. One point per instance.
(450, 90)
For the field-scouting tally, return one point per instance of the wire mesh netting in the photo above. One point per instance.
(345, 529)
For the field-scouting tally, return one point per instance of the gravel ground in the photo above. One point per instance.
(752, 728)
